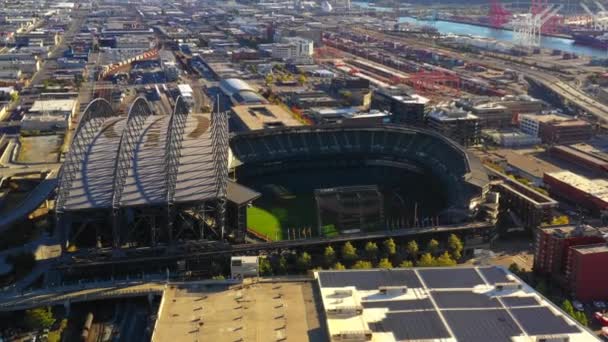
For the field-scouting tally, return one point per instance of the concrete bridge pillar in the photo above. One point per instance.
(66, 305)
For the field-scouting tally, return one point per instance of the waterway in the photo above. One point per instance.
(447, 27)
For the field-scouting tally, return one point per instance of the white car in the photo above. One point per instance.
(578, 305)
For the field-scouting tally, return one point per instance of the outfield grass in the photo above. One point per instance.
(264, 222)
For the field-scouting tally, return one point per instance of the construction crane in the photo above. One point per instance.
(527, 28)
(600, 18)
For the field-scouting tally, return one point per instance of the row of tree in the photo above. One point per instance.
(387, 255)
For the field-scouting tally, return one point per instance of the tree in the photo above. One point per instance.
(265, 267)
(385, 263)
(338, 266)
(580, 317)
(362, 264)
(568, 308)
(514, 268)
(349, 252)
(432, 246)
(406, 264)
(455, 246)
(445, 260)
(390, 248)
(426, 260)
(279, 266)
(39, 318)
(371, 251)
(541, 287)
(412, 249)
(302, 79)
(329, 256)
(269, 79)
(303, 262)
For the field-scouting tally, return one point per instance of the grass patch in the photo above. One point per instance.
(264, 222)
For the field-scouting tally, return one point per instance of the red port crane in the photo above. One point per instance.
(498, 15)
(551, 24)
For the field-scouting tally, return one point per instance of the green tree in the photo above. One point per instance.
(514, 268)
(39, 318)
(445, 260)
(303, 262)
(426, 260)
(338, 266)
(390, 248)
(302, 79)
(329, 256)
(349, 252)
(412, 249)
(280, 266)
(269, 79)
(362, 264)
(568, 308)
(541, 287)
(581, 317)
(455, 246)
(432, 246)
(406, 264)
(385, 263)
(265, 267)
(371, 251)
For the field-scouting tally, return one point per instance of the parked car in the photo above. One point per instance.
(602, 318)
(598, 304)
(578, 305)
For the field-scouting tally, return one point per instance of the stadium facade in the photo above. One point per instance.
(146, 179)
(150, 178)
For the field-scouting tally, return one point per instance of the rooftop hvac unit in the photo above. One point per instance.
(392, 290)
(343, 293)
(508, 286)
(345, 310)
(359, 335)
(553, 338)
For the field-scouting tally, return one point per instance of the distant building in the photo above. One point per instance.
(349, 115)
(455, 123)
(511, 138)
(405, 109)
(581, 156)
(240, 92)
(293, 48)
(49, 115)
(571, 256)
(556, 129)
(591, 194)
(260, 116)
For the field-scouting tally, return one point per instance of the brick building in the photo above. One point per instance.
(571, 255)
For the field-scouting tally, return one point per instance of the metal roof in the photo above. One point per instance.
(123, 162)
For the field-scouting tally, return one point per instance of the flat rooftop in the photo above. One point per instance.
(262, 116)
(592, 249)
(263, 311)
(447, 304)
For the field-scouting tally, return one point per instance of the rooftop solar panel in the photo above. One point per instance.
(370, 280)
(463, 299)
(494, 275)
(482, 325)
(407, 326)
(519, 301)
(542, 321)
(450, 278)
(400, 305)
